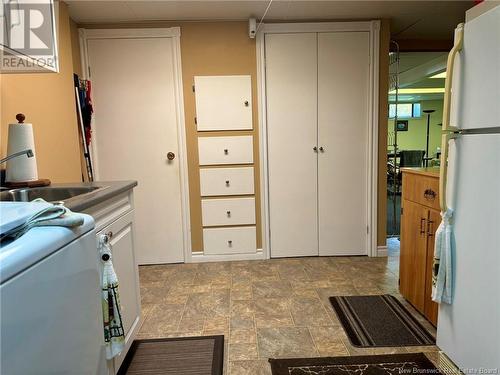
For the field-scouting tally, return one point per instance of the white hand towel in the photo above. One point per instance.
(114, 335)
(442, 269)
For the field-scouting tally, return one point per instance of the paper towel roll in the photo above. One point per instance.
(21, 168)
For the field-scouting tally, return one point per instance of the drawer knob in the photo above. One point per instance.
(246, 103)
(228, 213)
(429, 194)
(227, 182)
(226, 151)
(230, 243)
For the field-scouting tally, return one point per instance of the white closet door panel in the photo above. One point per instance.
(291, 79)
(226, 181)
(343, 85)
(225, 150)
(238, 240)
(223, 102)
(234, 211)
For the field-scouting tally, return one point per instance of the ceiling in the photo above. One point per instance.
(433, 20)
(411, 62)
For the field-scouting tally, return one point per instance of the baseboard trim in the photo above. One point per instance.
(200, 257)
(382, 251)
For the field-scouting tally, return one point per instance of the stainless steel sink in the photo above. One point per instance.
(49, 193)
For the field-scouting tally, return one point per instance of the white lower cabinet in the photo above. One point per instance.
(115, 218)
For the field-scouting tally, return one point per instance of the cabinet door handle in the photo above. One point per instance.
(422, 225)
(315, 149)
(228, 213)
(226, 151)
(430, 230)
(321, 149)
(230, 243)
(227, 182)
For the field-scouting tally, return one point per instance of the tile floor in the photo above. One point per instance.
(272, 308)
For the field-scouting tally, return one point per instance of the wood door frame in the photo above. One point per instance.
(373, 27)
(175, 34)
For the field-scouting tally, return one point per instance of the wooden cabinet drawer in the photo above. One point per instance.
(225, 150)
(226, 181)
(238, 240)
(235, 211)
(421, 189)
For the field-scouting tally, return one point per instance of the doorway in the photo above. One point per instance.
(138, 133)
(416, 90)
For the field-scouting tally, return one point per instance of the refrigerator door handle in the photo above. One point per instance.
(443, 170)
(457, 47)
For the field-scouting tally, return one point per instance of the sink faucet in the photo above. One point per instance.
(28, 152)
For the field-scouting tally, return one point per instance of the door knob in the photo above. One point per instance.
(170, 156)
(315, 149)
(321, 149)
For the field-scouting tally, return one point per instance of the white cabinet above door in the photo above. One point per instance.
(223, 102)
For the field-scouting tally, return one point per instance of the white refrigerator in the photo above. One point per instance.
(468, 330)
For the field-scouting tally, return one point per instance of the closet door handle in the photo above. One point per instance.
(315, 149)
(321, 149)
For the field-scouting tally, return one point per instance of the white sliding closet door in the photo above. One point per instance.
(291, 80)
(343, 97)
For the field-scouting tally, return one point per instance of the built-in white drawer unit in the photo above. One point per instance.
(239, 240)
(223, 102)
(226, 181)
(233, 211)
(225, 150)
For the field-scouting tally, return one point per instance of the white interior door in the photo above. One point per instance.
(291, 82)
(135, 128)
(343, 92)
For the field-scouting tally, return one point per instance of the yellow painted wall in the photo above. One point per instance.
(415, 137)
(48, 101)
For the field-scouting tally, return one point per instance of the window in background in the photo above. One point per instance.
(405, 110)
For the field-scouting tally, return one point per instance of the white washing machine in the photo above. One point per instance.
(50, 306)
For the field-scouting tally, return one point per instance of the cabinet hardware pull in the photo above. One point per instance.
(227, 182)
(429, 228)
(228, 213)
(321, 149)
(246, 103)
(422, 225)
(230, 243)
(429, 194)
(315, 149)
(226, 151)
(170, 156)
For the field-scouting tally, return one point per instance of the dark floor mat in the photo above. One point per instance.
(379, 320)
(185, 355)
(393, 364)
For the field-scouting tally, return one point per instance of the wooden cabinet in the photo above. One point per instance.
(419, 221)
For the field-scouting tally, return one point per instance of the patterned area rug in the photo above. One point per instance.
(379, 320)
(394, 364)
